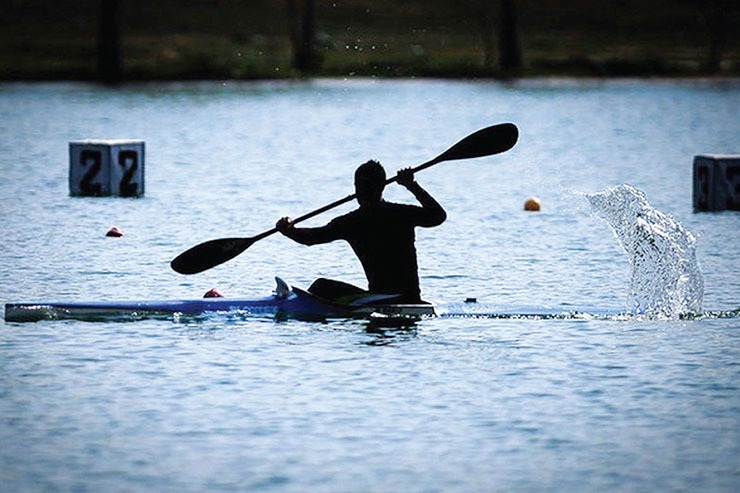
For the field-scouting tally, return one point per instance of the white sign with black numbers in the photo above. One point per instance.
(100, 168)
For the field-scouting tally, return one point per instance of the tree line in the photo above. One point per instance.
(497, 24)
(306, 58)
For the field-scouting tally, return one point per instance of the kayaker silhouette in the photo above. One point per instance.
(380, 233)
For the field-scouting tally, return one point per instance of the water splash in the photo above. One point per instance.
(665, 278)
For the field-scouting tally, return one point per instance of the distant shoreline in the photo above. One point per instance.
(535, 80)
(573, 71)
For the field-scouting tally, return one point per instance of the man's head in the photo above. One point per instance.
(369, 183)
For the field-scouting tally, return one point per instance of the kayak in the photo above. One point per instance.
(291, 302)
(285, 300)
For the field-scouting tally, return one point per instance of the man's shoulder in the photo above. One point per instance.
(394, 206)
(345, 219)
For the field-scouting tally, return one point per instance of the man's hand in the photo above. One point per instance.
(284, 224)
(405, 177)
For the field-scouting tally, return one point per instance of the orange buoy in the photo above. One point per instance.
(532, 204)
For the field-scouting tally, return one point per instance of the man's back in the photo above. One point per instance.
(383, 238)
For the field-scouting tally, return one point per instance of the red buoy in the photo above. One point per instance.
(213, 293)
(114, 232)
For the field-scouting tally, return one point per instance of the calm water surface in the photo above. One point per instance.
(232, 403)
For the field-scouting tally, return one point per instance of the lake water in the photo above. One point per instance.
(235, 403)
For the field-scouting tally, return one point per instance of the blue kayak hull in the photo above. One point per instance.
(296, 303)
(286, 302)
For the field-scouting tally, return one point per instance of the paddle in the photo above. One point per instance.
(485, 142)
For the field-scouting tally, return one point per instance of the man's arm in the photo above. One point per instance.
(434, 214)
(305, 236)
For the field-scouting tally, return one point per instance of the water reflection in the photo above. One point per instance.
(385, 331)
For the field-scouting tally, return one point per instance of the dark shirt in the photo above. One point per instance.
(382, 236)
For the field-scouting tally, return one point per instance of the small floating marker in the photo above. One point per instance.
(114, 232)
(213, 293)
(532, 204)
(101, 168)
(717, 182)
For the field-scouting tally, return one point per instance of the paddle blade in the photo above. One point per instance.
(209, 254)
(485, 142)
